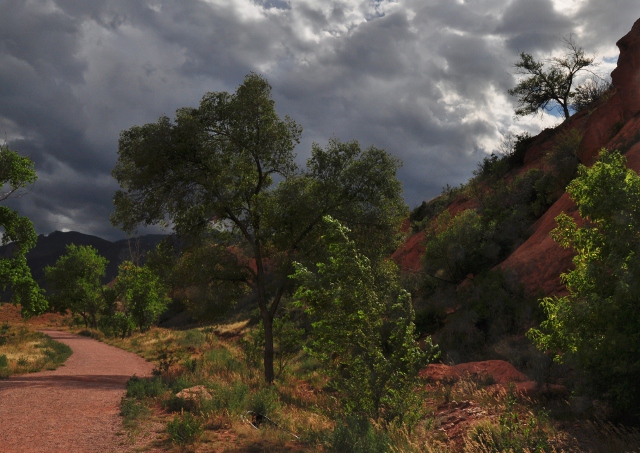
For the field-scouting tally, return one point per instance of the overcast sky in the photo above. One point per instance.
(425, 79)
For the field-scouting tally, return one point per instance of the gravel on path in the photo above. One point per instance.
(74, 408)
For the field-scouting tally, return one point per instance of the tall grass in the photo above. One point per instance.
(23, 350)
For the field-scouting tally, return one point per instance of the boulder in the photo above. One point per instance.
(197, 393)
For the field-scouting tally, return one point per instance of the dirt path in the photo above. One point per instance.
(72, 409)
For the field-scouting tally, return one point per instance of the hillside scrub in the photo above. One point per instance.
(23, 350)
(461, 286)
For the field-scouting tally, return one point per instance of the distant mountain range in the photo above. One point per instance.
(52, 246)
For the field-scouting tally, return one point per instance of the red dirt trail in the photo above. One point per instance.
(72, 409)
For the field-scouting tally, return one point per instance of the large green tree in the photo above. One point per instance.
(226, 170)
(16, 174)
(597, 326)
(75, 283)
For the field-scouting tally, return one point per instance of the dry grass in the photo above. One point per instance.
(23, 350)
(460, 417)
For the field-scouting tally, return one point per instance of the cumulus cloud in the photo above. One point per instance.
(424, 79)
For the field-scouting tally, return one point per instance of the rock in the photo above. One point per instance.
(539, 261)
(626, 76)
(498, 371)
(197, 393)
(502, 376)
(409, 255)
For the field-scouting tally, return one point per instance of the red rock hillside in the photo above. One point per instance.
(613, 123)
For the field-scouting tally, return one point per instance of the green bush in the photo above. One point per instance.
(455, 246)
(176, 404)
(356, 435)
(363, 330)
(192, 338)
(595, 328)
(264, 402)
(185, 429)
(428, 210)
(513, 433)
(221, 360)
(140, 388)
(181, 382)
(231, 398)
(494, 166)
(563, 158)
(4, 362)
(132, 410)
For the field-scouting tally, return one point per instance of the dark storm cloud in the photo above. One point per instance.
(424, 79)
(532, 26)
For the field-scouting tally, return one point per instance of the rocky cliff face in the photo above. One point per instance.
(613, 123)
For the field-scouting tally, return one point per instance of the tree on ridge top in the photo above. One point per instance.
(548, 83)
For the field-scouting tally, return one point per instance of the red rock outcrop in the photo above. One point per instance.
(499, 371)
(409, 254)
(626, 76)
(539, 261)
(502, 375)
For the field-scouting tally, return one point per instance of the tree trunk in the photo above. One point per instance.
(267, 321)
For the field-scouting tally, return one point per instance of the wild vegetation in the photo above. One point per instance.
(16, 174)
(23, 350)
(135, 300)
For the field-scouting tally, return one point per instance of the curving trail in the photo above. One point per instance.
(72, 409)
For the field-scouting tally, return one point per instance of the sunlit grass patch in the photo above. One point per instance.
(23, 350)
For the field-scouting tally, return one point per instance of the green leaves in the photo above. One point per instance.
(597, 326)
(362, 329)
(16, 173)
(75, 282)
(142, 295)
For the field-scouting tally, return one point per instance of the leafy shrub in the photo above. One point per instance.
(513, 432)
(4, 366)
(181, 382)
(423, 214)
(192, 338)
(495, 166)
(221, 360)
(185, 429)
(454, 246)
(131, 410)
(231, 397)
(363, 330)
(177, 404)
(139, 388)
(563, 158)
(264, 402)
(287, 343)
(357, 435)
